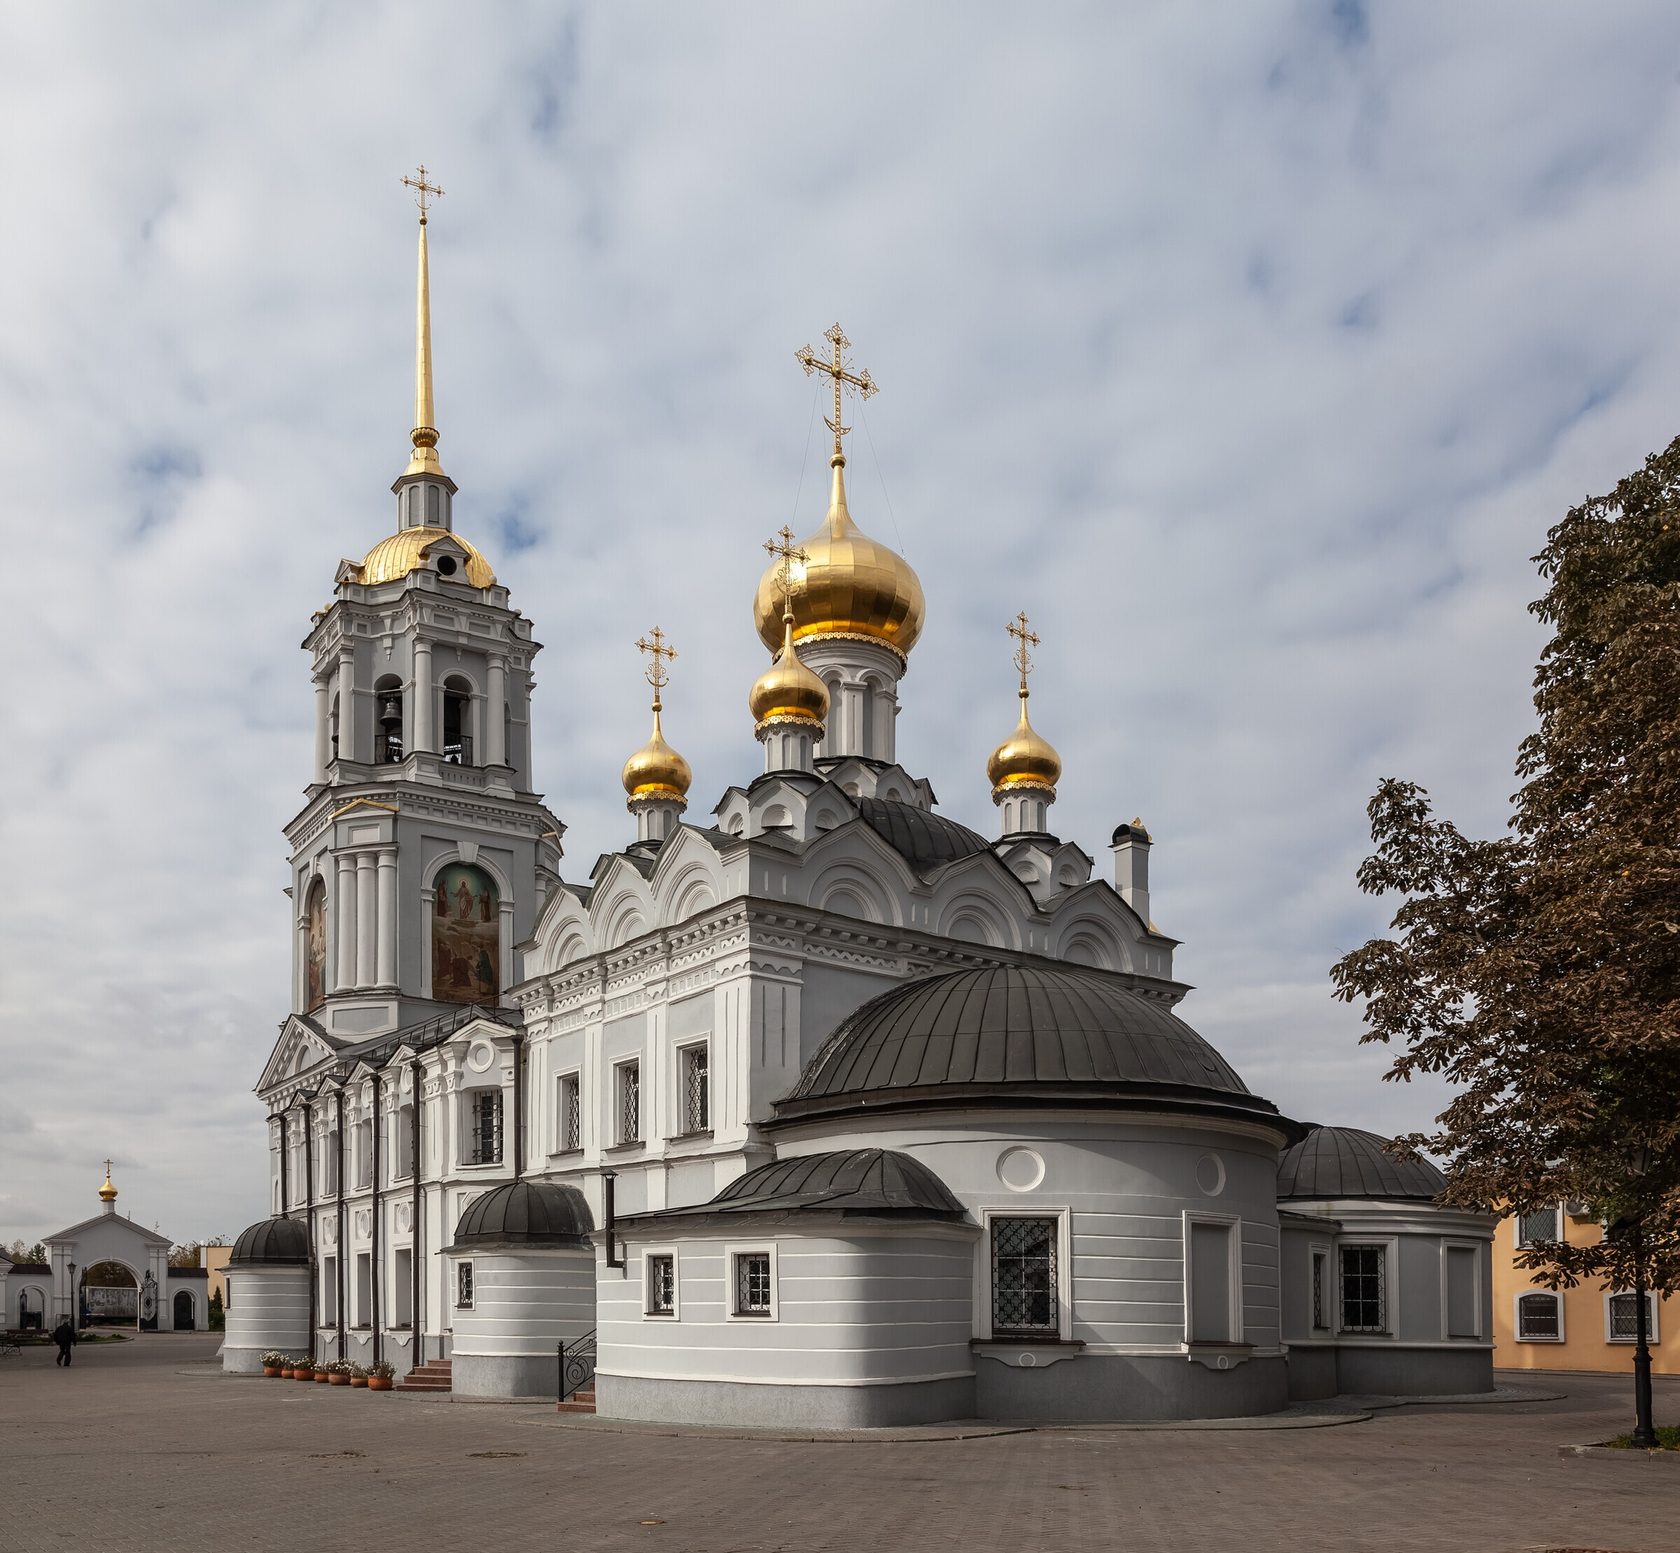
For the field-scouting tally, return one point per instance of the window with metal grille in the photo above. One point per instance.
(629, 1102)
(364, 1153)
(484, 1139)
(696, 1090)
(1540, 1318)
(329, 1165)
(752, 1283)
(463, 1286)
(1623, 1319)
(1542, 1224)
(570, 1107)
(1024, 1288)
(1364, 1304)
(1320, 1314)
(661, 1285)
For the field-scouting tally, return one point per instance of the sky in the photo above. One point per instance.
(1250, 349)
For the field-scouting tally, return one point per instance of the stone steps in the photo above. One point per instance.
(434, 1375)
(580, 1401)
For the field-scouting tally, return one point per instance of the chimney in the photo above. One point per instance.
(1131, 845)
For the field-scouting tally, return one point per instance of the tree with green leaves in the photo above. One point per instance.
(1539, 971)
(18, 1252)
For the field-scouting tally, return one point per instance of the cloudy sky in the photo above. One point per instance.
(1250, 349)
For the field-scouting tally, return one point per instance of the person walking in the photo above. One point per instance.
(65, 1336)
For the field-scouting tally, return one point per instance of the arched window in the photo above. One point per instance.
(457, 721)
(334, 720)
(388, 709)
(315, 946)
(466, 936)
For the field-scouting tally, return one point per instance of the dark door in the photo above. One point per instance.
(183, 1312)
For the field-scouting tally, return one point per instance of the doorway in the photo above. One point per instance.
(184, 1312)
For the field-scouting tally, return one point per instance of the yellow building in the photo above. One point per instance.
(213, 1259)
(1585, 1328)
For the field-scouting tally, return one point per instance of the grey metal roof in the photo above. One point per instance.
(377, 1050)
(272, 1243)
(1010, 1033)
(525, 1215)
(1335, 1162)
(922, 838)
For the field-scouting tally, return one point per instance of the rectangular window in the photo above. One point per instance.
(661, 1286)
(1364, 1297)
(329, 1291)
(696, 1089)
(402, 1154)
(364, 1289)
(1621, 1319)
(1464, 1315)
(754, 1288)
(1320, 1304)
(1539, 1318)
(1209, 1265)
(463, 1286)
(484, 1138)
(1024, 1279)
(1542, 1224)
(364, 1154)
(629, 1102)
(329, 1165)
(402, 1288)
(569, 1110)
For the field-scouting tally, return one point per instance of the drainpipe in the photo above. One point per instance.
(374, 1247)
(285, 1185)
(607, 1179)
(416, 1316)
(309, 1214)
(338, 1175)
(518, 1105)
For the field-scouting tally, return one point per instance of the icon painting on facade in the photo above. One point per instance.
(466, 927)
(315, 951)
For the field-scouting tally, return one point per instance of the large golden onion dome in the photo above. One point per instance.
(788, 689)
(1026, 758)
(656, 770)
(405, 552)
(849, 585)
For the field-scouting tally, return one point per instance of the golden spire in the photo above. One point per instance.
(860, 383)
(107, 1193)
(788, 689)
(1024, 759)
(656, 770)
(424, 436)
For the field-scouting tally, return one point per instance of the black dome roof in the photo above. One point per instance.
(1010, 1033)
(272, 1243)
(1333, 1162)
(922, 838)
(525, 1214)
(861, 1180)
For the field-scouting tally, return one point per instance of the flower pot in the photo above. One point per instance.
(379, 1383)
(287, 1374)
(358, 1380)
(322, 1377)
(339, 1380)
(303, 1375)
(271, 1370)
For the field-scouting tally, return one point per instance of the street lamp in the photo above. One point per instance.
(1644, 1433)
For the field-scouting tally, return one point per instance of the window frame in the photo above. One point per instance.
(732, 1253)
(984, 1330)
(686, 1126)
(1231, 1223)
(474, 1136)
(1523, 1241)
(1517, 1333)
(327, 1295)
(565, 1113)
(1477, 1291)
(1319, 1288)
(649, 1255)
(1390, 1286)
(1653, 1307)
(621, 1070)
(466, 1287)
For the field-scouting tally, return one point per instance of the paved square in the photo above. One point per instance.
(145, 1446)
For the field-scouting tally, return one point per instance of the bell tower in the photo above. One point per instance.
(422, 854)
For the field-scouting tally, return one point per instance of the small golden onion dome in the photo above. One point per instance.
(405, 552)
(1025, 758)
(107, 1193)
(788, 689)
(848, 586)
(656, 770)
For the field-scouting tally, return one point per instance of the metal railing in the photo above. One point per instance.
(574, 1364)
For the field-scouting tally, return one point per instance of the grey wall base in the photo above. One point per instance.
(513, 1375)
(1312, 1374)
(241, 1361)
(1127, 1389)
(781, 1407)
(1414, 1372)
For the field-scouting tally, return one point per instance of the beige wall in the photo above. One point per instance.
(1584, 1346)
(215, 1258)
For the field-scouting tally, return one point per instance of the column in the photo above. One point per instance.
(424, 695)
(851, 721)
(495, 715)
(347, 747)
(366, 920)
(323, 732)
(387, 916)
(344, 903)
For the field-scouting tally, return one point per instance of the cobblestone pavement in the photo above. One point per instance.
(146, 1447)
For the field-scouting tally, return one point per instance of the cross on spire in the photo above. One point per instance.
(107, 1170)
(788, 555)
(661, 653)
(425, 187)
(860, 383)
(1025, 637)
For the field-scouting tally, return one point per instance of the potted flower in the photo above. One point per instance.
(323, 1372)
(272, 1362)
(303, 1369)
(288, 1367)
(358, 1375)
(381, 1376)
(338, 1372)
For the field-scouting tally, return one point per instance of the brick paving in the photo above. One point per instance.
(146, 1447)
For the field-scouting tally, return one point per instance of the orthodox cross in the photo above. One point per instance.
(107, 1170)
(1024, 638)
(425, 186)
(860, 383)
(656, 647)
(788, 554)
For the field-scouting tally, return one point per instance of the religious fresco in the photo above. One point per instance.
(466, 936)
(315, 947)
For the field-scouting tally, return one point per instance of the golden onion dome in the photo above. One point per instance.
(788, 689)
(405, 552)
(107, 1193)
(1025, 758)
(656, 770)
(849, 585)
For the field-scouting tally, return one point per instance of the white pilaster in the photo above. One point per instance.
(344, 903)
(425, 695)
(387, 917)
(495, 714)
(347, 703)
(323, 730)
(366, 920)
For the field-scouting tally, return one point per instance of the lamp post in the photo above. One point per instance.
(74, 1313)
(1644, 1435)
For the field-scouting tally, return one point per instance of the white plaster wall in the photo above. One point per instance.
(270, 1309)
(526, 1302)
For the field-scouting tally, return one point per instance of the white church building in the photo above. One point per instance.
(826, 1109)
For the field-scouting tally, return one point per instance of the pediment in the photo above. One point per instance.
(302, 1046)
(115, 1220)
